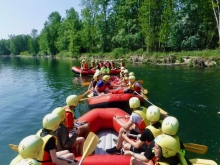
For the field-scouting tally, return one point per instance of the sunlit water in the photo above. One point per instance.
(30, 88)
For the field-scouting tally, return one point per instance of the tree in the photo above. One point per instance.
(33, 42)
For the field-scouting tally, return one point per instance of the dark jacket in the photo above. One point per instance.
(64, 142)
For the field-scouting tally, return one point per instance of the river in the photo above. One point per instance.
(30, 88)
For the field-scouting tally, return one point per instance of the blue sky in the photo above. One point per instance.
(21, 16)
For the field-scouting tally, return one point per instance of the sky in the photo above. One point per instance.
(21, 16)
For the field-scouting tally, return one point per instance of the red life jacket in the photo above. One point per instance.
(85, 66)
(103, 87)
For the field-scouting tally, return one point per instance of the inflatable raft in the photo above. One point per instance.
(117, 100)
(102, 123)
(78, 70)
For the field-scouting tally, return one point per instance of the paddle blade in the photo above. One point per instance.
(140, 81)
(89, 146)
(197, 148)
(13, 147)
(203, 162)
(85, 84)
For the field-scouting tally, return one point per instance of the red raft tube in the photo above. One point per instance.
(102, 124)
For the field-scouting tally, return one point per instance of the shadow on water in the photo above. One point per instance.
(31, 88)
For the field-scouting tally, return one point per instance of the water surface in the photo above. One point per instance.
(30, 88)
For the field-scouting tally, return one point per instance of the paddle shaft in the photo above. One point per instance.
(161, 110)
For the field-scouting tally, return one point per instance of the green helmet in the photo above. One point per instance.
(51, 121)
(72, 100)
(134, 102)
(170, 125)
(61, 112)
(28, 162)
(153, 113)
(30, 147)
(168, 144)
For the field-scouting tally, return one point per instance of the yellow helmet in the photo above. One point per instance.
(131, 74)
(132, 78)
(51, 121)
(170, 125)
(61, 112)
(125, 71)
(106, 78)
(122, 68)
(168, 144)
(28, 162)
(72, 100)
(126, 78)
(134, 102)
(30, 147)
(153, 113)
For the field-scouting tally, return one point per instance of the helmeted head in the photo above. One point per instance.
(30, 147)
(51, 121)
(134, 102)
(132, 78)
(168, 145)
(28, 161)
(83, 60)
(131, 74)
(106, 78)
(125, 71)
(61, 112)
(153, 113)
(95, 76)
(122, 69)
(92, 61)
(121, 59)
(170, 125)
(72, 100)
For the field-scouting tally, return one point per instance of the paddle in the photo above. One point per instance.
(192, 147)
(202, 162)
(89, 146)
(161, 110)
(84, 99)
(85, 83)
(197, 148)
(15, 148)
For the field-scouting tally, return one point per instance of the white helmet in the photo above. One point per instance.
(61, 112)
(153, 113)
(134, 102)
(131, 74)
(170, 125)
(30, 147)
(72, 100)
(168, 144)
(28, 162)
(51, 121)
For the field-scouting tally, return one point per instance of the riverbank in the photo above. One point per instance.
(202, 59)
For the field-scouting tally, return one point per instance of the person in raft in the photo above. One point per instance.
(94, 81)
(102, 86)
(29, 150)
(49, 155)
(170, 127)
(84, 65)
(148, 135)
(166, 152)
(71, 121)
(66, 142)
(134, 86)
(135, 125)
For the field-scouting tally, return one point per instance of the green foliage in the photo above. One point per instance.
(26, 53)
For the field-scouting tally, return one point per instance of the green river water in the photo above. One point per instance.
(30, 88)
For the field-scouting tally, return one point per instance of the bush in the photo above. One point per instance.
(25, 53)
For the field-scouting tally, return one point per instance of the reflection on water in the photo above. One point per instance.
(30, 88)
